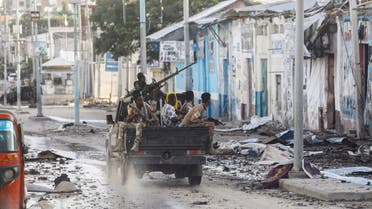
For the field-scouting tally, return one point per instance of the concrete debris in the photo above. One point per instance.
(32, 171)
(228, 148)
(43, 204)
(312, 140)
(234, 147)
(312, 153)
(235, 167)
(200, 203)
(253, 140)
(67, 125)
(252, 149)
(257, 122)
(227, 129)
(276, 154)
(344, 174)
(66, 187)
(61, 178)
(38, 188)
(364, 153)
(48, 155)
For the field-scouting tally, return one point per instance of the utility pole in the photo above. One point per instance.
(356, 67)
(35, 17)
(89, 47)
(127, 73)
(76, 72)
(49, 10)
(5, 41)
(186, 31)
(120, 80)
(18, 52)
(143, 36)
(298, 89)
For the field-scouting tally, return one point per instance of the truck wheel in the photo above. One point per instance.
(194, 180)
(124, 170)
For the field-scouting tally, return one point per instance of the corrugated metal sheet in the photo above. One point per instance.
(277, 7)
(195, 18)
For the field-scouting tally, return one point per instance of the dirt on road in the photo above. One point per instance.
(82, 151)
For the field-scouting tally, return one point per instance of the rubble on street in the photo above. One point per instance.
(251, 161)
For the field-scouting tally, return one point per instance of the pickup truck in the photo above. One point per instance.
(171, 150)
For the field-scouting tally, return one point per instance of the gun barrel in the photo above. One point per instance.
(175, 73)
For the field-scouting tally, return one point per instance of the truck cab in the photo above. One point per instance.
(12, 149)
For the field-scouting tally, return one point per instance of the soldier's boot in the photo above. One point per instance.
(212, 151)
(136, 144)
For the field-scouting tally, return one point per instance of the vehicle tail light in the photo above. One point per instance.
(194, 152)
(141, 152)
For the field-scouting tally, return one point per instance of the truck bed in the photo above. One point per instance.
(170, 145)
(159, 138)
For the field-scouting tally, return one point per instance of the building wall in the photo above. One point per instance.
(205, 74)
(105, 84)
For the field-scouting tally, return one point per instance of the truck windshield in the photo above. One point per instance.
(8, 139)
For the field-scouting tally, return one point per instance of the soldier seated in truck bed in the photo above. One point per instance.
(139, 115)
(194, 118)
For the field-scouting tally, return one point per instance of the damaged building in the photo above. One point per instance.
(245, 58)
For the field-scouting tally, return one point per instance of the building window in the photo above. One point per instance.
(278, 93)
(262, 30)
(278, 28)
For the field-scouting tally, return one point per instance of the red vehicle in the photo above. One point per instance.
(12, 184)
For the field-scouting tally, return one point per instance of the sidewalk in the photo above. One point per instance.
(327, 189)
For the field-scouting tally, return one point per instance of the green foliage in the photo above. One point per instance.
(56, 20)
(123, 39)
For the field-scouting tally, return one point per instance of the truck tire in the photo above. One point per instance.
(196, 175)
(124, 170)
(194, 180)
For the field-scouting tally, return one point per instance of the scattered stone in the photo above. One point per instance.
(62, 178)
(65, 187)
(200, 203)
(43, 178)
(33, 171)
(300, 204)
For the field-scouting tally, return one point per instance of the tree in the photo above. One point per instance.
(56, 20)
(123, 39)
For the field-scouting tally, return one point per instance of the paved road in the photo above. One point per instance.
(155, 190)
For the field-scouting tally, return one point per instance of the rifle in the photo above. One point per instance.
(215, 121)
(158, 84)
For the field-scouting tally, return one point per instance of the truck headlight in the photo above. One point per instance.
(9, 174)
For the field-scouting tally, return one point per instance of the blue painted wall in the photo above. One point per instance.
(207, 80)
